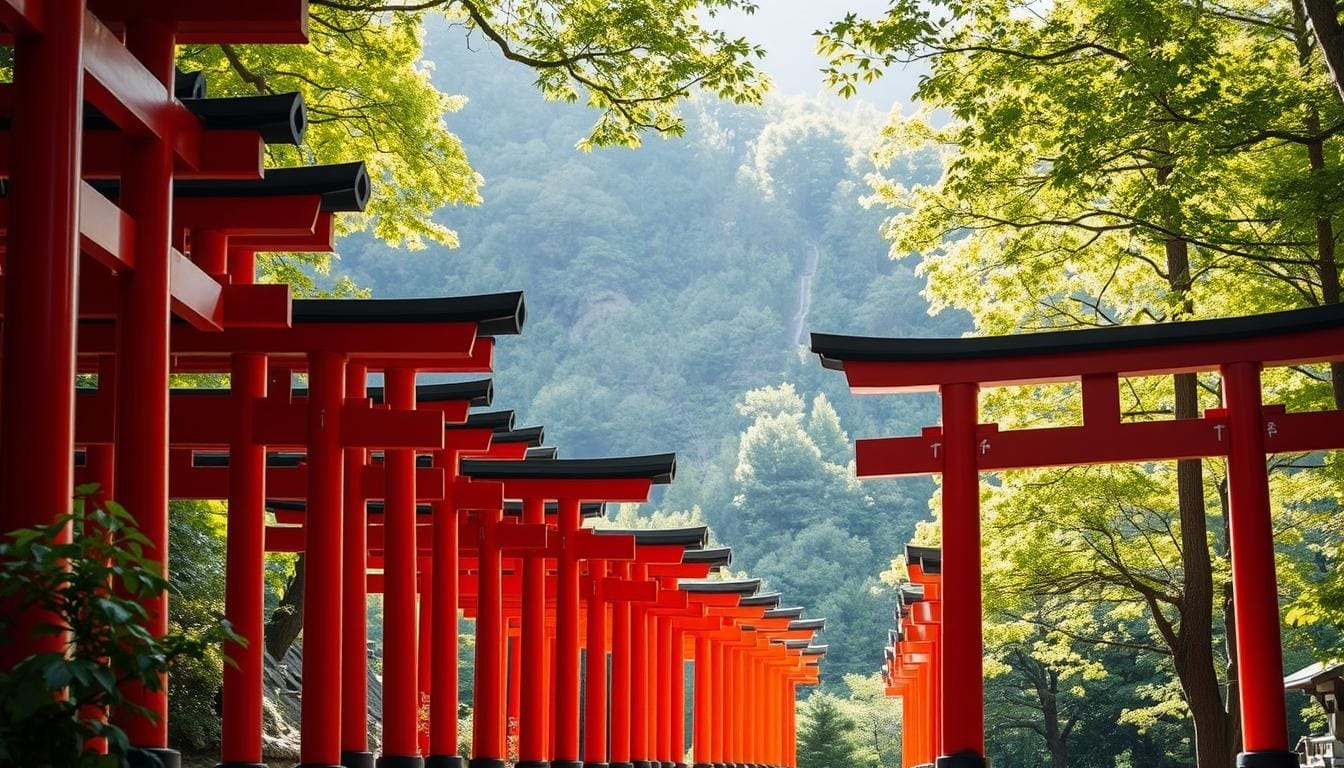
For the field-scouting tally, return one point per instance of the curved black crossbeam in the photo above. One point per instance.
(495, 314)
(835, 350)
(659, 468)
(693, 537)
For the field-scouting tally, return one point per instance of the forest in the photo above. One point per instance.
(1080, 163)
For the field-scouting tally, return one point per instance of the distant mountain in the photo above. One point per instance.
(661, 282)
(665, 283)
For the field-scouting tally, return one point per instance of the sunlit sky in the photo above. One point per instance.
(785, 28)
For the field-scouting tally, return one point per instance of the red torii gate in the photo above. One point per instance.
(1243, 431)
(63, 56)
(439, 334)
(912, 669)
(569, 482)
(612, 584)
(775, 668)
(192, 207)
(642, 593)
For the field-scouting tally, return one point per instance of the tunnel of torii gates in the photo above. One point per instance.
(911, 659)
(133, 207)
(942, 647)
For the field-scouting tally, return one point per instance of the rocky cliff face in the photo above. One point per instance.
(280, 709)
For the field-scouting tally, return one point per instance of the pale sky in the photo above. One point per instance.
(785, 28)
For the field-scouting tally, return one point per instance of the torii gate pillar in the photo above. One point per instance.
(40, 286)
(962, 741)
(141, 437)
(1255, 594)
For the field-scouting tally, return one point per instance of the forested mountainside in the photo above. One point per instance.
(665, 284)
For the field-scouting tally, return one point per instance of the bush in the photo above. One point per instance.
(87, 576)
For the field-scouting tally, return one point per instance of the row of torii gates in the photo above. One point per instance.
(935, 658)
(133, 211)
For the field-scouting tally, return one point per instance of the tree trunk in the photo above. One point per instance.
(1327, 265)
(1045, 681)
(1057, 739)
(285, 623)
(1193, 654)
(1223, 547)
(1329, 36)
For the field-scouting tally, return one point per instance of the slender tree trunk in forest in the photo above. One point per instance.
(1192, 654)
(1327, 265)
(1233, 695)
(1045, 681)
(287, 621)
(1324, 16)
(1056, 738)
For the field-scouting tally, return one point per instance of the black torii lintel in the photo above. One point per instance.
(659, 468)
(343, 187)
(495, 314)
(715, 557)
(693, 537)
(741, 587)
(929, 559)
(835, 350)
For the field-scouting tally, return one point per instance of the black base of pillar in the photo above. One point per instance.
(703, 765)
(357, 759)
(240, 765)
(486, 762)
(445, 761)
(1267, 760)
(967, 759)
(622, 765)
(643, 764)
(400, 761)
(566, 764)
(532, 764)
(153, 757)
(587, 764)
(680, 765)
(669, 764)
(319, 765)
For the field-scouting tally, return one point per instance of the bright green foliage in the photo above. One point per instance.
(876, 738)
(823, 426)
(1091, 136)
(823, 734)
(1109, 162)
(1054, 699)
(87, 572)
(370, 96)
(632, 60)
(196, 548)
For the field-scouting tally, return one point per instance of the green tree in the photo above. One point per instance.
(1113, 163)
(877, 720)
(823, 426)
(371, 98)
(196, 547)
(823, 734)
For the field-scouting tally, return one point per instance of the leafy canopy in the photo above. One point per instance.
(371, 96)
